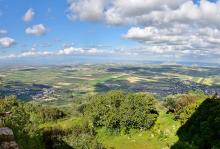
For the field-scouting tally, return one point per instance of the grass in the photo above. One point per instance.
(161, 136)
(64, 124)
(141, 140)
(40, 76)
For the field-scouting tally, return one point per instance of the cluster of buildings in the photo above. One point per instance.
(29, 92)
(46, 95)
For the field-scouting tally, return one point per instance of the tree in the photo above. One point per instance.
(177, 104)
(138, 111)
(116, 110)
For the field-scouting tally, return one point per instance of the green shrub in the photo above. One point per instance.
(50, 114)
(178, 104)
(26, 134)
(116, 111)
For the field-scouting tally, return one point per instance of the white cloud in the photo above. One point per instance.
(206, 14)
(148, 12)
(6, 42)
(37, 30)
(91, 10)
(170, 26)
(118, 11)
(28, 16)
(32, 53)
(178, 27)
(160, 12)
(73, 50)
(64, 52)
(153, 52)
(70, 50)
(178, 40)
(165, 27)
(132, 11)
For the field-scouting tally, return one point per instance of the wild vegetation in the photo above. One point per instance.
(115, 115)
(36, 126)
(118, 111)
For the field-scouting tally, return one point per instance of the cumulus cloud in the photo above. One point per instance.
(168, 27)
(118, 11)
(205, 14)
(31, 53)
(148, 13)
(63, 52)
(6, 42)
(28, 16)
(73, 50)
(181, 40)
(135, 11)
(156, 12)
(91, 10)
(70, 50)
(37, 30)
(164, 27)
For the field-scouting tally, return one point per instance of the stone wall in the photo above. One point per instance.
(7, 140)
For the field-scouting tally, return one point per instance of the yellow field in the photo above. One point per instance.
(81, 78)
(181, 76)
(208, 81)
(137, 79)
(63, 84)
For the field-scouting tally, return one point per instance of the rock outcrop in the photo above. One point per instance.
(7, 140)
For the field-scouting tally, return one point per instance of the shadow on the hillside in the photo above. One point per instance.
(146, 71)
(50, 142)
(58, 144)
(53, 139)
(162, 86)
(149, 71)
(22, 90)
(202, 130)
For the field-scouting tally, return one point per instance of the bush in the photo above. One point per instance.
(49, 114)
(138, 111)
(116, 111)
(26, 135)
(177, 104)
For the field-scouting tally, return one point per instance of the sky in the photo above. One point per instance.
(62, 31)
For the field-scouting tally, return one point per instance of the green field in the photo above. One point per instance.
(70, 82)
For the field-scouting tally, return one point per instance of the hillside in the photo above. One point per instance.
(102, 126)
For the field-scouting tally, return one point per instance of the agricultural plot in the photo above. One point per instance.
(61, 84)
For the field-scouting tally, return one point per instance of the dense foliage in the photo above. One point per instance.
(20, 121)
(37, 127)
(47, 114)
(116, 110)
(183, 105)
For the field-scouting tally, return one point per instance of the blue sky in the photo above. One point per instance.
(115, 29)
(53, 14)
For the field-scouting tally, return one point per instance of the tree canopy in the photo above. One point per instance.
(117, 110)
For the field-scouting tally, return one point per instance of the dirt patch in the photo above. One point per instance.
(138, 79)
(81, 78)
(63, 84)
